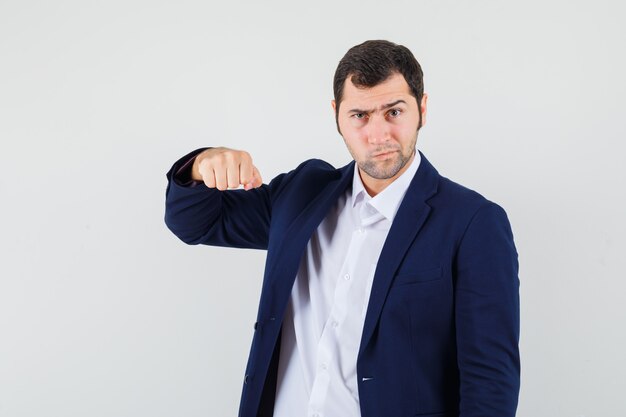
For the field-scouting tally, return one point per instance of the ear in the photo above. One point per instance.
(424, 106)
(333, 104)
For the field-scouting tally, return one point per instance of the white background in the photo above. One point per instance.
(103, 312)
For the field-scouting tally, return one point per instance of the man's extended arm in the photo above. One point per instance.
(202, 211)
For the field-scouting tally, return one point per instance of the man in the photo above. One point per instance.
(389, 290)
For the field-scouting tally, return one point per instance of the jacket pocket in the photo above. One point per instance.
(430, 274)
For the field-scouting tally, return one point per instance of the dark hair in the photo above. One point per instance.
(371, 63)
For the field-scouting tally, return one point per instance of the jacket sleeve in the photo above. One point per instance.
(233, 218)
(487, 316)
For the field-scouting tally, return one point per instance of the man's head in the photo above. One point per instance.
(379, 107)
(371, 63)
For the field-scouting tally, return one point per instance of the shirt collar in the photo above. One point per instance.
(387, 202)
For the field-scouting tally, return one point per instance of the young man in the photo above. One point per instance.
(389, 290)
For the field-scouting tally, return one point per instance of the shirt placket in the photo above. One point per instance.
(327, 360)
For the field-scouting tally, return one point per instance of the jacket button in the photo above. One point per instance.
(256, 325)
(246, 379)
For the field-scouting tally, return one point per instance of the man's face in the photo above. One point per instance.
(379, 126)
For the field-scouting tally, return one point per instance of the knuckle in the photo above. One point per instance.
(229, 156)
(221, 159)
(204, 163)
(205, 169)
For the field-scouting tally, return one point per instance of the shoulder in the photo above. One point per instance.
(311, 171)
(442, 193)
(308, 178)
(454, 194)
(462, 204)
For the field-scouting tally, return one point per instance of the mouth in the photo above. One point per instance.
(384, 154)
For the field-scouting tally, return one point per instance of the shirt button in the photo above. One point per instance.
(346, 277)
(324, 366)
(335, 323)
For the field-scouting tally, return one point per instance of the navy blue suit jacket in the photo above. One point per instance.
(442, 325)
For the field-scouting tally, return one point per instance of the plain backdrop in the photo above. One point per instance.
(105, 313)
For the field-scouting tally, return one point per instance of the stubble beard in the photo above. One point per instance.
(385, 169)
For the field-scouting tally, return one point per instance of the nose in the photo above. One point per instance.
(378, 130)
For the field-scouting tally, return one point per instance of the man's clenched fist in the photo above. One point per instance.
(224, 168)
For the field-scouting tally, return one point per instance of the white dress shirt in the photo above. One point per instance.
(324, 319)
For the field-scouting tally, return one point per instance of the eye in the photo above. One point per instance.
(359, 116)
(395, 112)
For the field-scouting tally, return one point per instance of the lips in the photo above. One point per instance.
(387, 153)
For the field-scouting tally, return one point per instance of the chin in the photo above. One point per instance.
(377, 170)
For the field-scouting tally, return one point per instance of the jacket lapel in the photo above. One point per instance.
(299, 233)
(411, 215)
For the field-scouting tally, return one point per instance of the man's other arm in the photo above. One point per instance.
(487, 316)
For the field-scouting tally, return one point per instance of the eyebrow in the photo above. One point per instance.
(383, 107)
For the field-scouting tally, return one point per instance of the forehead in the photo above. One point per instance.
(393, 88)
